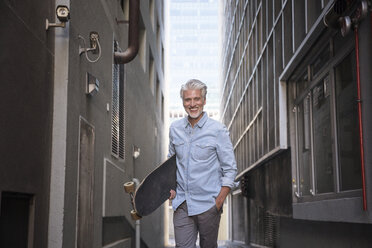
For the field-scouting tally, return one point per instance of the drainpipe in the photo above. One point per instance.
(344, 23)
(359, 14)
(133, 44)
(360, 117)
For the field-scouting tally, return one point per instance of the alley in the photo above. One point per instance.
(90, 89)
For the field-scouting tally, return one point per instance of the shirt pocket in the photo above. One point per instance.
(203, 151)
(179, 146)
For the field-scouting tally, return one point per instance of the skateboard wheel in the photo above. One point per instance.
(134, 215)
(129, 187)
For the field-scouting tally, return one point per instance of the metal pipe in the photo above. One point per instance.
(138, 222)
(360, 117)
(133, 40)
(138, 237)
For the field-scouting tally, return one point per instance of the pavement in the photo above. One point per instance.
(221, 244)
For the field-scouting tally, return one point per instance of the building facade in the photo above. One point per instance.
(295, 75)
(73, 116)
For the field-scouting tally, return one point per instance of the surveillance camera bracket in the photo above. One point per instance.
(53, 25)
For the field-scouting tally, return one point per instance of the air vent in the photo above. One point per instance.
(118, 111)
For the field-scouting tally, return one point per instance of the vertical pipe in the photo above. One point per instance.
(360, 118)
(138, 238)
(138, 222)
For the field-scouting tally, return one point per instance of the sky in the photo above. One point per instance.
(192, 41)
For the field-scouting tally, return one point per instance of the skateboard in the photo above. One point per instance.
(154, 190)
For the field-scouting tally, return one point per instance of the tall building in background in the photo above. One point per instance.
(193, 51)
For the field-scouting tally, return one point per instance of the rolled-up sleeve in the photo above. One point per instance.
(226, 157)
(171, 150)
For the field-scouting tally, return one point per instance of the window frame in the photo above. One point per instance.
(337, 205)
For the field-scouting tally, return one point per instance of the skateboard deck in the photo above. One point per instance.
(154, 190)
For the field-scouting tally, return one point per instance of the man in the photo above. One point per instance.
(206, 170)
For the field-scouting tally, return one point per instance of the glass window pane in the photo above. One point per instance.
(347, 124)
(299, 20)
(302, 83)
(321, 60)
(313, 11)
(304, 146)
(323, 160)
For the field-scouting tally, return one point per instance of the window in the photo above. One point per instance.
(328, 158)
(347, 126)
(322, 136)
(125, 7)
(142, 50)
(158, 36)
(157, 93)
(162, 107)
(152, 73)
(117, 118)
(304, 153)
(152, 13)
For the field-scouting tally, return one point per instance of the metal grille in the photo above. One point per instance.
(117, 119)
(264, 228)
(270, 229)
(121, 113)
(115, 111)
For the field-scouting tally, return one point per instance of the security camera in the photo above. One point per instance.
(63, 13)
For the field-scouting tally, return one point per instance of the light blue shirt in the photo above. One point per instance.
(205, 162)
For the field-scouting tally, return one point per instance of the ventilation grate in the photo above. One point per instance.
(264, 228)
(118, 109)
(115, 111)
(270, 229)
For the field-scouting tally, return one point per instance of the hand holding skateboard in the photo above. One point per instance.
(172, 194)
(154, 190)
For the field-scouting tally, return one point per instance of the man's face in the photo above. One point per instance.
(193, 102)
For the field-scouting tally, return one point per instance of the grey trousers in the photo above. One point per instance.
(186, 227)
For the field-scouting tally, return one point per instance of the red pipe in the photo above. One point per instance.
(360, 118)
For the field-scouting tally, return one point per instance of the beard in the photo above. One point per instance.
(195, 115)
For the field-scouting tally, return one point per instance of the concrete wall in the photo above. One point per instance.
(143, 125)
(56, 140)
(26, 97)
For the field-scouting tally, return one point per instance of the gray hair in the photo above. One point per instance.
(194, 84)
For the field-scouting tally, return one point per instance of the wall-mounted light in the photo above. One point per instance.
(92, 85)
(136, 152)
(63, 15)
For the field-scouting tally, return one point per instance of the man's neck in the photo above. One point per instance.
(193, 121)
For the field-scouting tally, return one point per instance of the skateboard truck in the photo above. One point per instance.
(154, 190)
(130, 188)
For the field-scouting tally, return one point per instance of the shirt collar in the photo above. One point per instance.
(200, 123)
